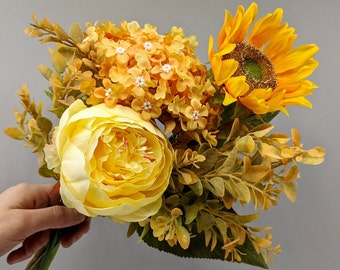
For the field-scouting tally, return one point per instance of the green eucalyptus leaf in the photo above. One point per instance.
(67, 52)
(246, 145)
(15, 133)
(58, 61)
(197, 188)
(229, 164)
(58, 111)
(238, 190)
(206, 166)
(257, 120)
(172, 200)
(76, 33)
(60, 33)
(191, 212)
(49, 94)
(44, 23)
(217, 98)
(205, 221)
(218, 185)
(183, 236)
(45, 71)
(44, 124)
(262, 130)
(49, 39)
(246, 218)
(240, 111)
(222, 227)
(257, 173)
(227, 114)
(187, 177)
(289, 189)
(45, 172)
(133, 226)
(203, 147)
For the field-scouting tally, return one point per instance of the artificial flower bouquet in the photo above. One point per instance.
(150, 136)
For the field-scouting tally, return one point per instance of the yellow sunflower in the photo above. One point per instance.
(257, 64)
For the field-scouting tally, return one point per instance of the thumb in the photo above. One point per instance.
(52, 217)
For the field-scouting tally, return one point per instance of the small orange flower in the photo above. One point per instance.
(196, 115)
(148, 106)
(110, 92)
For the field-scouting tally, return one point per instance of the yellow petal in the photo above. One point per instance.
(222, 69)
(265, 28)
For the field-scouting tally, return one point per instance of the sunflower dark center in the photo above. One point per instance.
(253, 64)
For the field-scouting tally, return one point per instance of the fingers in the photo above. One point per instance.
(30, 246)
(30, 221)
(34, 243)
(53, 217)
(33, 210)
(74, 233)
(28, 196)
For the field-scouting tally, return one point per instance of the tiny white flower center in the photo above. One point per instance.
(85, 39)
(108, 93)
(147, 45)
(147, 105)
(140, 81)
(120, 50)
(196, 115)
(166, 68)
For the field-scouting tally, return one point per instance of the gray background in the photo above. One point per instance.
(307, 230)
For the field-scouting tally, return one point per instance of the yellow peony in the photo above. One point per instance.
(112, 163)
(256, 64)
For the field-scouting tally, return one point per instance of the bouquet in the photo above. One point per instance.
(150, 136)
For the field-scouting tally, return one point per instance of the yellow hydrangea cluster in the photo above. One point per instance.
(159, 76)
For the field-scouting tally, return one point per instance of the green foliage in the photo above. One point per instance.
(248, 253)
(249, 165)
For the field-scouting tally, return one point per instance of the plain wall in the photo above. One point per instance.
(308, 230)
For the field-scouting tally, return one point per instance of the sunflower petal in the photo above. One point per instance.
(265, 28)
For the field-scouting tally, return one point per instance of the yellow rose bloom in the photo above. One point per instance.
(112, 163)
(257, 65)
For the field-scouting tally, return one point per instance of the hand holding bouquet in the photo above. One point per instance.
(149, 135)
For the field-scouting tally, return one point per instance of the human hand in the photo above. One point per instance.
(28, 213)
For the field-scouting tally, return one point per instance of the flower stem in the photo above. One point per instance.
(44, 257)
